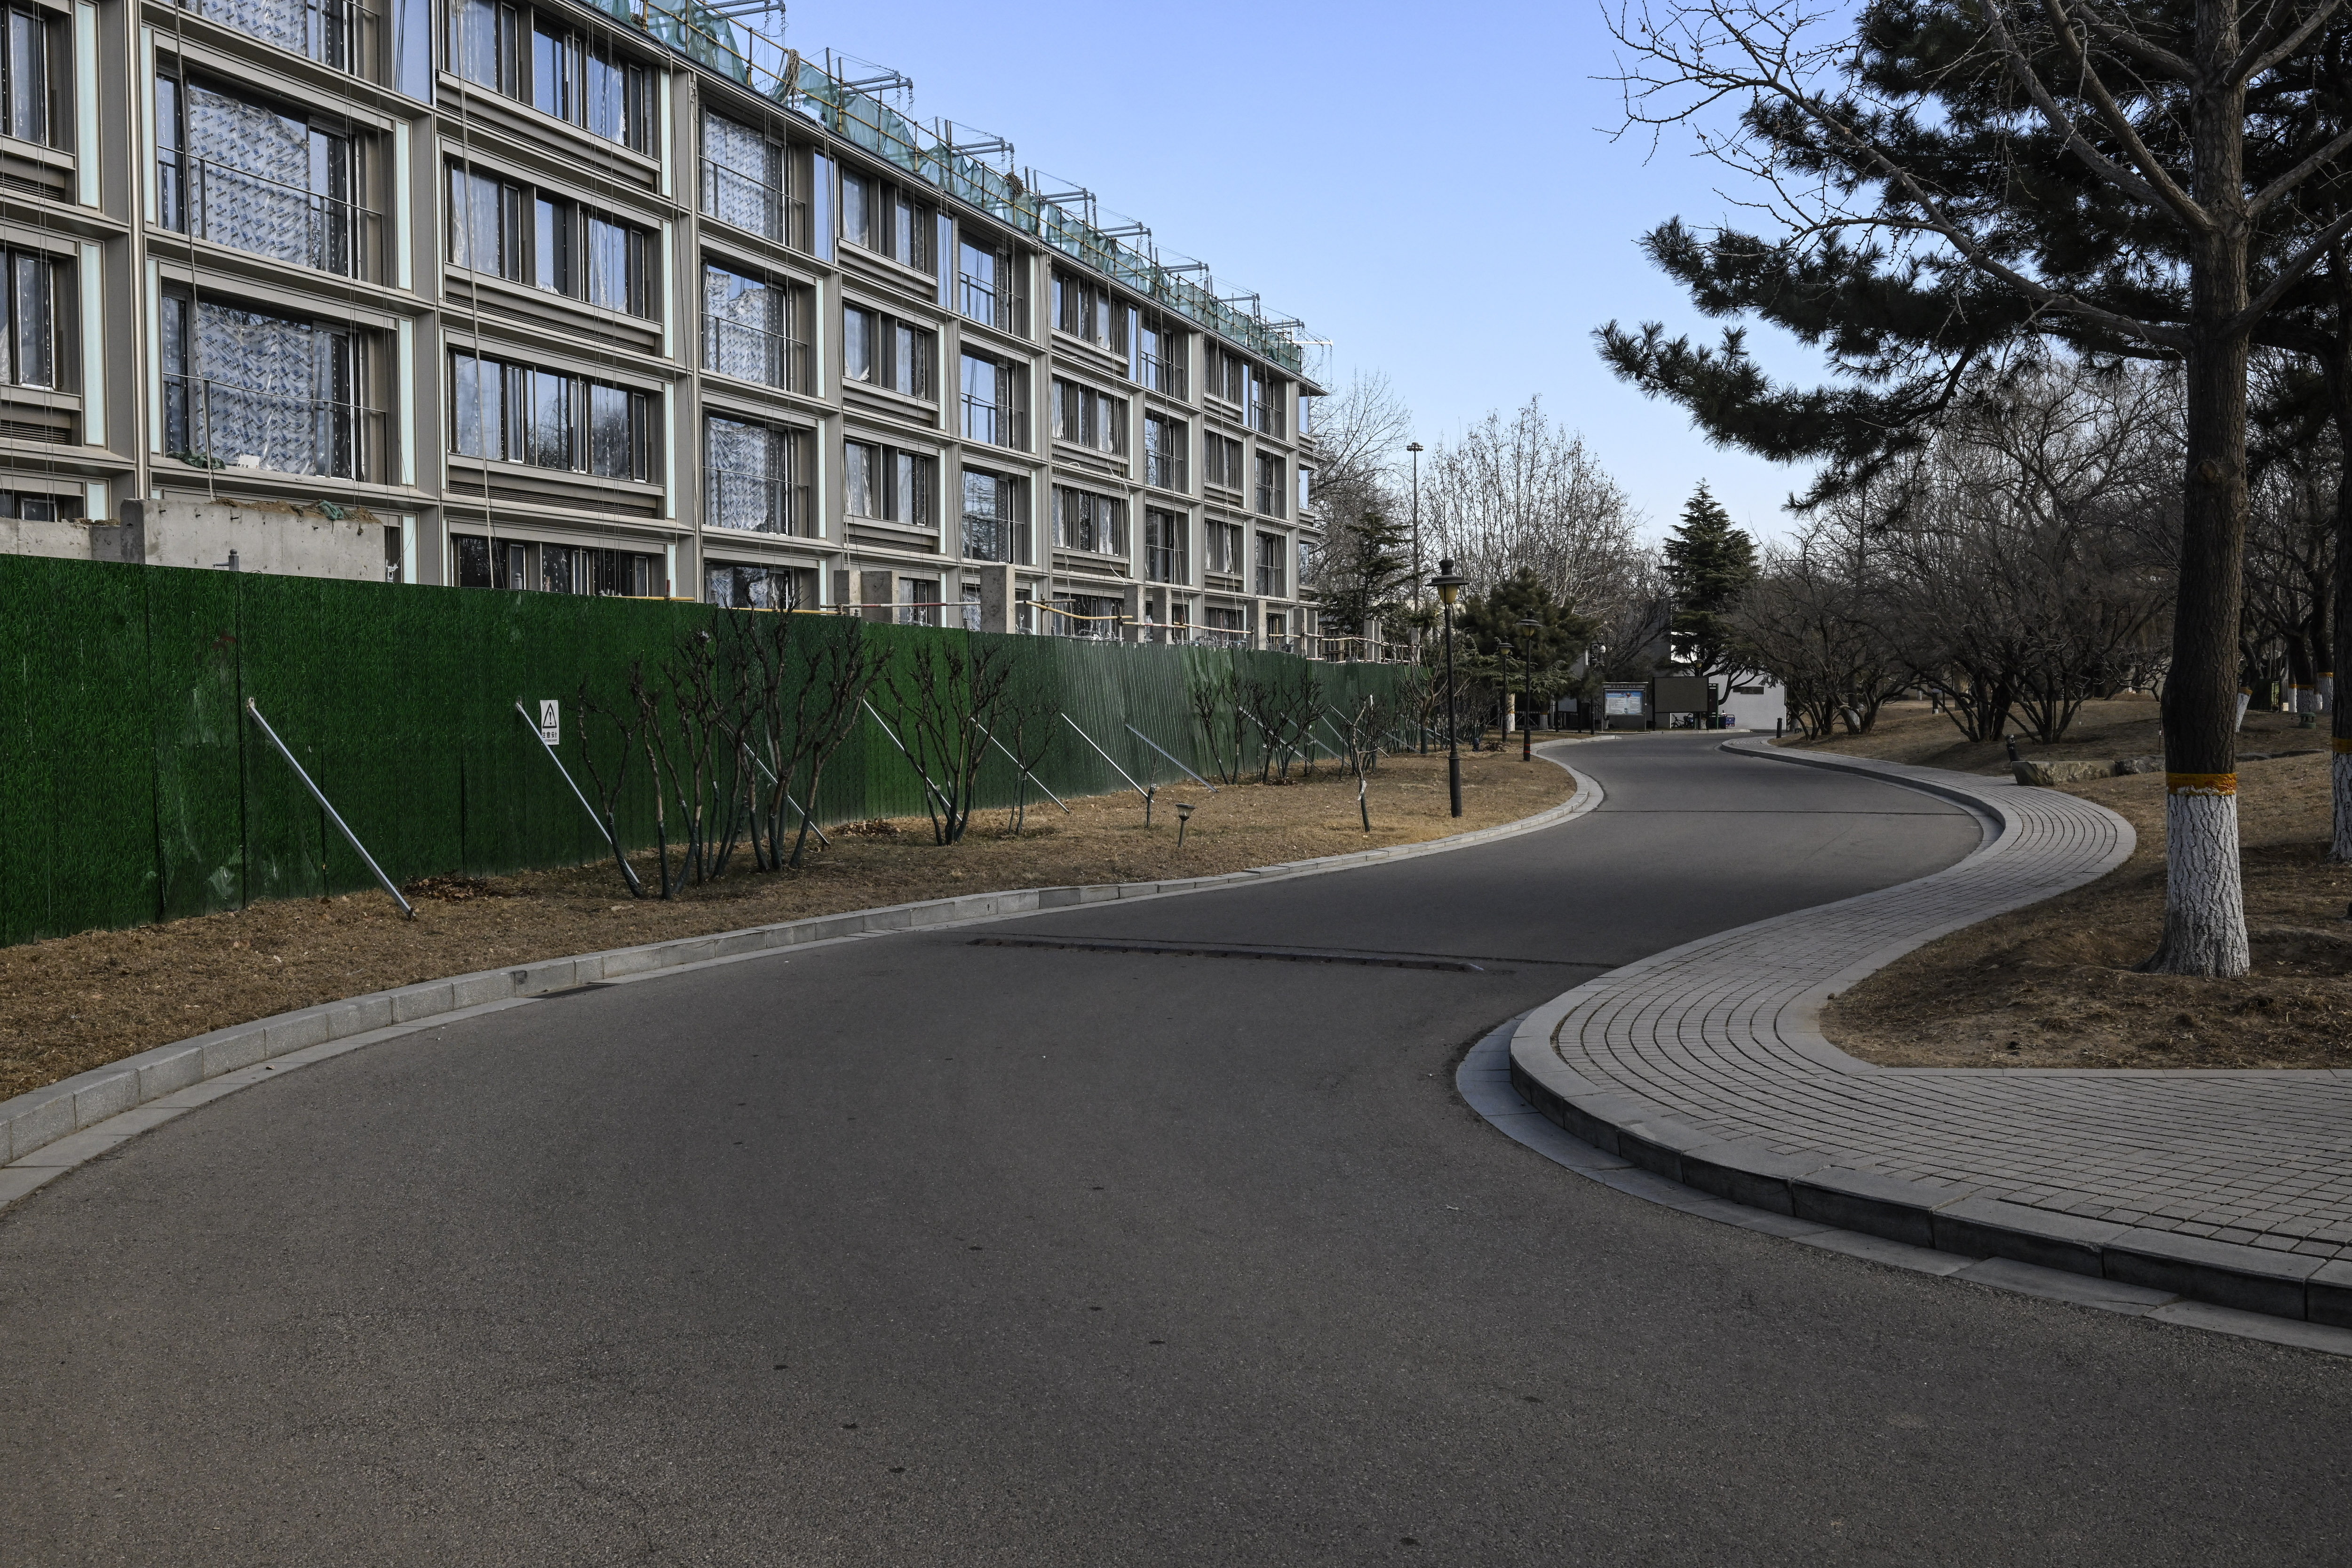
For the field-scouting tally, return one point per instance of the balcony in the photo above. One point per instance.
(743, 201)
(752, 352)
(218, 425)
(207, 199)
(753, 503)
(994, 424)
(338, 34)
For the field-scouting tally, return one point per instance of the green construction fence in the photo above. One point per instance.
(135, 788)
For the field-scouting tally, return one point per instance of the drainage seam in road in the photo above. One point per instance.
(1203, 950)
(52, 1129)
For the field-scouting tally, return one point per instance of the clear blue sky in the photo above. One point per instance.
(1433, 189)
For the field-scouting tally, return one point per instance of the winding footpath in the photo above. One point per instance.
(1706, 1065)
(1144, 1231)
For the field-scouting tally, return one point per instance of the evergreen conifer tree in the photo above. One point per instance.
(1364, 573)
(1708, 564)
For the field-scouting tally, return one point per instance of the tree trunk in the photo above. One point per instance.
(2338, 368)
(2204, 906)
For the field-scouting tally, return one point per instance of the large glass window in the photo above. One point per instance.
(1164, 452)
(26, 109)
(28, 349)
(1222, 455)
(882, 350)
(568, 569)
(1227, 374)
(1159, 357)
(252, 389)
(888, 220)
(1263, 412)
(1270, 497)
(1095, 616)
(750, 329)
(337, 32)
(527, 235)
(993, 402)
(1271, 577)
(259, 178)
(747, 182)
(1085, 310)
(886, 483)
(1089, 418)
(557, 71)
(989, 288)
(1085, 520)
(549, 419)
(1163, 546)
(485, 45)
(1224, 542)
(760, 587)
(753, 476)
(995, 523)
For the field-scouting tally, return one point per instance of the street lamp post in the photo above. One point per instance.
(1414, 448)
(1510, 714)
(1527, 689)
(1449, 589)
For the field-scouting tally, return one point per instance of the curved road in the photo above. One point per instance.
(912, 1251)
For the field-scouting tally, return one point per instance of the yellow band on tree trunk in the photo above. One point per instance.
(2200, 783)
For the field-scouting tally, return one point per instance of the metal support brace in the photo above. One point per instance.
(1106, 756)
(806, 816)
(1163, 752)
(1033, 778)
(328, 806)
(927, 784)
(634, 885)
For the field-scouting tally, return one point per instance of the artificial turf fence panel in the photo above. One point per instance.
(135, 786)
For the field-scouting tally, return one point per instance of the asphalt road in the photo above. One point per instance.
(912, 1251)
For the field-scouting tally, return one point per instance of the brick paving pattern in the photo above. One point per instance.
(1720, 1035)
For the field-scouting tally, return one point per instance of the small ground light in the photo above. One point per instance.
(1183, 816)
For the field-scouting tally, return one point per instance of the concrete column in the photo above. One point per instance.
(995, 596)
(876, 589)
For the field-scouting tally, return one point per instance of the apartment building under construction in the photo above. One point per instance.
(544, 296)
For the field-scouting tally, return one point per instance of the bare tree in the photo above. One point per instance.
(1809, 621)
(1918, 126)
(1359, 437)
(948, 693)
(1527, 493)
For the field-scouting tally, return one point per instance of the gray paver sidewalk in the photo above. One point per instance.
(1708, 1058)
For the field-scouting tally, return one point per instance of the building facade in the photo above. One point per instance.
(538, 295)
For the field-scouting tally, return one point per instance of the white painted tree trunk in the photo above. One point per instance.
(2340, 778)
(2244, 697)
(2204, 903)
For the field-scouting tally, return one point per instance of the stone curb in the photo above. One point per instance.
(1820, 1187)
(40, 1118)
(1486, 1083)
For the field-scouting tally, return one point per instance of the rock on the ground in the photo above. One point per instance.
(2047, 773)
(2138, 766)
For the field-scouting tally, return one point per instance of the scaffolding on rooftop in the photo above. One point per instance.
(722, 37)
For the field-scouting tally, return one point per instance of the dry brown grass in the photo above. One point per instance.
(2054, 986)
(76, 1002)
(1913, 732)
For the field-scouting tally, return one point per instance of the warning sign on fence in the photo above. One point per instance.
(550, 721)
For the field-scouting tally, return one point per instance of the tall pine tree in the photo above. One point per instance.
(1710, 564)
